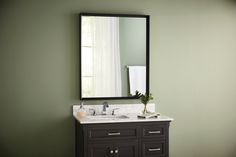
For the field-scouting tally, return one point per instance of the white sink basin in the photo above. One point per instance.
(107, 117)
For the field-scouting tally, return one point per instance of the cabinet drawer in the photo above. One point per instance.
(98, 133)
(154, 131)
(154, 149)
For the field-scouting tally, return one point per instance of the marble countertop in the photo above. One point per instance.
(131, 118)
(129, 110)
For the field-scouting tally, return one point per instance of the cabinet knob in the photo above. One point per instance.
(116, 151)
(111, 151)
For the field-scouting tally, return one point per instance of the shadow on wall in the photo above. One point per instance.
(74, 57)
(3, 149)
(232, 1)
(233, 153)
(54, 138)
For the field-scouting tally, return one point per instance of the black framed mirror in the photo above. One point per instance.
(114, 55)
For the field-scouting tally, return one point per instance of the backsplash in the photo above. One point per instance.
(122, 108)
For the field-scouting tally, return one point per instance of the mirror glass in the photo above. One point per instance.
(114, 55)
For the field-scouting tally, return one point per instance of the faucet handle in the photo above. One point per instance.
(113, 111)
(93, 111)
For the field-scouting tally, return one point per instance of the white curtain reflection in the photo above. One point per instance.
(101, 70)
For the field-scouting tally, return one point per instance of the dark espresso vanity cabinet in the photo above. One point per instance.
(131, 139)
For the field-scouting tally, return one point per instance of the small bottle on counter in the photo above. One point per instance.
(81, 112)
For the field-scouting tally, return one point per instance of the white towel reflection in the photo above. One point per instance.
(137, 79)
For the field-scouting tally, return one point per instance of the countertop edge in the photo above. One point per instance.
(163, 119)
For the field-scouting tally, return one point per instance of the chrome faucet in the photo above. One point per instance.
(105, 106)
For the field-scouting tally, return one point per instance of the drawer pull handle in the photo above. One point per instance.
(113, 133)
(116, 151)
(154, 149)
(154, 132)
(111, 151)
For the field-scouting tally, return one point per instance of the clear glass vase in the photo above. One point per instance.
(145, 109)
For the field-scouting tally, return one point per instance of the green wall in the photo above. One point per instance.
(193, 73)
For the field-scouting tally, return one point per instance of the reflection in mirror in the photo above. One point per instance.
(113, 56)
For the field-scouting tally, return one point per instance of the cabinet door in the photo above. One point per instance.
(126, 149)
(100, 150)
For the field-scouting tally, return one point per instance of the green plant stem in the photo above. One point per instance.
(145, 109)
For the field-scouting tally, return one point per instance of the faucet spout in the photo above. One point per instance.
(105, 106)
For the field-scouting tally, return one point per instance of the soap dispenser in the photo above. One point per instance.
(81, 113)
